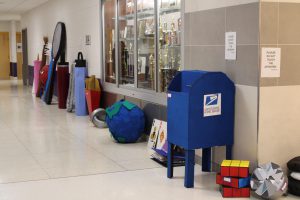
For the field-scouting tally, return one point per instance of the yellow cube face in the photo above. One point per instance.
(226, 163)
(245, 163)
(235, 163)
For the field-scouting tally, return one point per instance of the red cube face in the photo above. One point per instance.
(235, 183)
(227, 192)
(234, 171)
(244, 172)
(236, 193)
(245, 192)
(219, 179)
(225, 171)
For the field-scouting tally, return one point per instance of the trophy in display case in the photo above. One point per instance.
(179, 32)
(130, 61)
(168, 68)
(110, 74)
(129, 7)
(165, 33)
(161, 34)
(179, 63)
(166, 58)
(139, 63)
(172, 62)
(173, 34)
(123, 59)
(142, 28)
(149, 27)
(140, 5)
(151, 70)
(174, 3)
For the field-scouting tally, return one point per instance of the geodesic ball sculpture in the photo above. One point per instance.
(268, 181)
(126, 121)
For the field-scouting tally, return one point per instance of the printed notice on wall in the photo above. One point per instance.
(270, 62)
(230, 46)
(212, 105)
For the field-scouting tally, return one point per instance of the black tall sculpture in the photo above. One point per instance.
(58, 52)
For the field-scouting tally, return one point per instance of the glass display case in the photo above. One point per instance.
(142, 43)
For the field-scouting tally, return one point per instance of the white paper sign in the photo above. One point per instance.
(212, 105)
(270, 62)
(230, 46)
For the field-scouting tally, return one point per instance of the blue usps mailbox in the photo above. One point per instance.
(200, 116)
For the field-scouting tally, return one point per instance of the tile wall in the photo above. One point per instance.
(279, 130)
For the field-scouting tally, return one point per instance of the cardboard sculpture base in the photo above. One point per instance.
(37, 68)
(92, 99)
(63, 86)
(80, 100)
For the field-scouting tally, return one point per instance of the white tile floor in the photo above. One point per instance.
(47, 153)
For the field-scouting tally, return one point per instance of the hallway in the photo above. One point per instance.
(46, 153)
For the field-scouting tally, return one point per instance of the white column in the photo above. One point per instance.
(13, 42)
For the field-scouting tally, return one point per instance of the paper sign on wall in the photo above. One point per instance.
(212, 105)
(270, 62)
(230, 46)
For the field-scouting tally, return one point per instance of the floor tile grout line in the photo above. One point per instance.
(84, 175)
(106, 156)
(31, 155)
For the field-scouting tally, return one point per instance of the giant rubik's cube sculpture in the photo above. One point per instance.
(234, 178)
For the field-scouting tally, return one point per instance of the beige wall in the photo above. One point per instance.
(81, 18)
(5, 26)
(279, 129)
(279, 115)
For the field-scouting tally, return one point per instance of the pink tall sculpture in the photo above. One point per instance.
(37, 67)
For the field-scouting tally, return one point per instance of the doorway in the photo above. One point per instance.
(25, 58)
(4, 56)
(19, 56)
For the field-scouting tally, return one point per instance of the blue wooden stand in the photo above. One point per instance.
(200, 116)
(190, 163)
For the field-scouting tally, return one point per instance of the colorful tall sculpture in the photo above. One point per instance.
(57, 52)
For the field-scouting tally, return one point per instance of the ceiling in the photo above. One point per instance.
(17, 7)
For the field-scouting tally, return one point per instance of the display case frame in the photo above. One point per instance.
(153, 96)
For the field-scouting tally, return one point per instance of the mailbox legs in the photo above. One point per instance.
(190, 163)
(189, 168)
(170, 160)
(206, 159)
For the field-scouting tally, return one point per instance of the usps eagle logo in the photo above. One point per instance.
(212, 105)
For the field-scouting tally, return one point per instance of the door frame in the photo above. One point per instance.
(25, 57)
